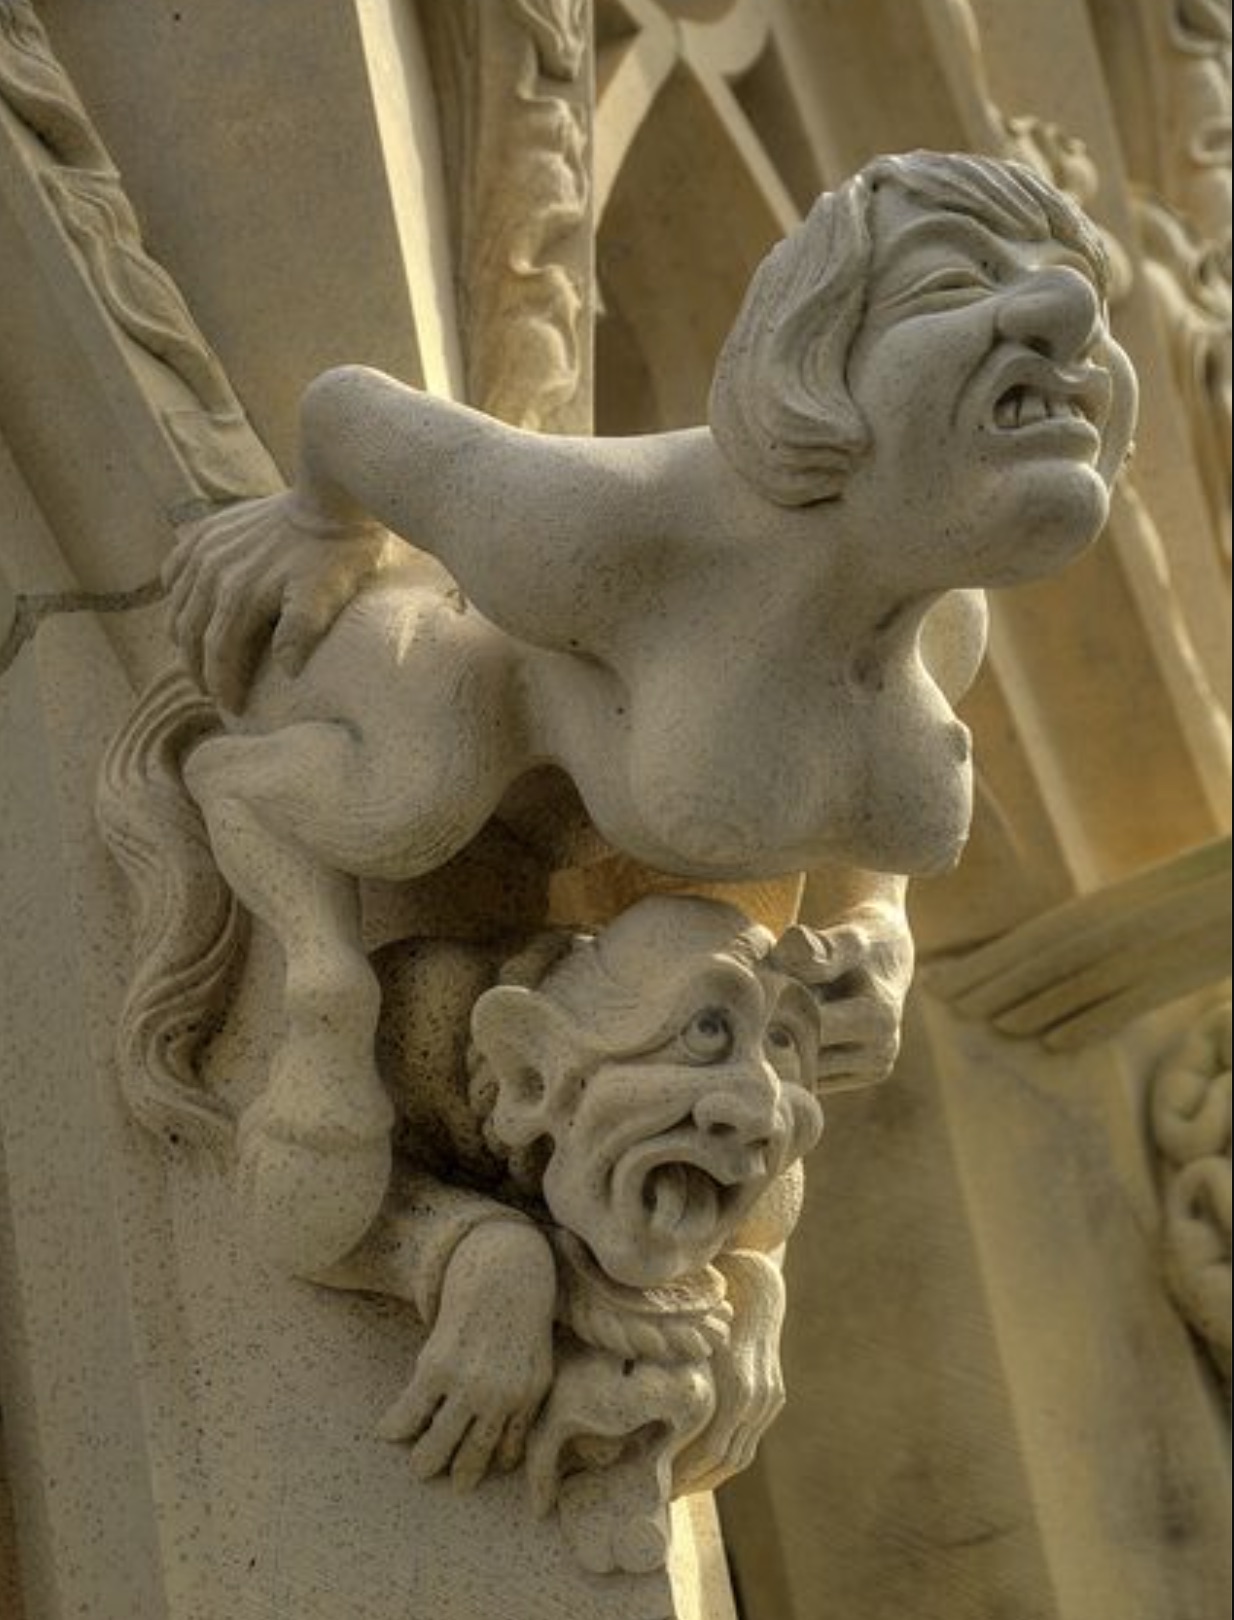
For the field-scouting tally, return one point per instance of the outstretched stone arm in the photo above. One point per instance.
(519, 519)
(563, 543)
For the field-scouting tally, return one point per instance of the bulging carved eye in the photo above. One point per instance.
(708, 1037)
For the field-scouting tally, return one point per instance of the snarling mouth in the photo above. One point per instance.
(1034, 393)
(1023, 407)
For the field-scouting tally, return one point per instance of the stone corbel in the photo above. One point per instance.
(575, 1153)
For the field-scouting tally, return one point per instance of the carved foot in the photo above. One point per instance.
(315, 1160)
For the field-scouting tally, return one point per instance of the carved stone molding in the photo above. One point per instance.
(1169, 75)
(66, 159)
(514, 82)
(1061, 157)
(1190, 277)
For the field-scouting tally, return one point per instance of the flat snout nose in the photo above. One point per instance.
(1055, 311)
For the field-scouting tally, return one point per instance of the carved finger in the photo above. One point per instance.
(234, 642)
(863, 1036)
(307, 615)
(434, 1451)
(543, 1484)
(193, 599)
(182, 580)
(857, 1018)
(856, 1065)
(412, 1413)
(514, 1442)
(203, 547)
(849, 953)
(474, 1456)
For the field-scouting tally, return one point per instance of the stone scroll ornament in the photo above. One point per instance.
(457, 646)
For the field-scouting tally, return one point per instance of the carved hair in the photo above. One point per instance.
(781, 410)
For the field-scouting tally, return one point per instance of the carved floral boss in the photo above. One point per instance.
(577, 1153)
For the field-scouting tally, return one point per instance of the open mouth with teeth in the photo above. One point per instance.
(1026, 407)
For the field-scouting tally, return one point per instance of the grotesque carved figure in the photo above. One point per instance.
(740, 645)
(588, 1195)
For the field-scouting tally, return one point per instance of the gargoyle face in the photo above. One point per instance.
(664, 1152)
(1001, 406)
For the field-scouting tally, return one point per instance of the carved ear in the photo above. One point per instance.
(529, 1045)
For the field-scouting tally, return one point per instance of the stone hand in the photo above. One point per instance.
(861, 970)
(488, 1364)
(263, 575)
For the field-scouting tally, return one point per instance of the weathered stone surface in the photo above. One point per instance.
(1005, 1347)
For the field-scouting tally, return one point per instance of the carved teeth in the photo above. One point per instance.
(1024, 407)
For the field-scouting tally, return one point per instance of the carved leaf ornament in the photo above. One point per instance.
(137, 294)
(1190, 1116)
(559, 30)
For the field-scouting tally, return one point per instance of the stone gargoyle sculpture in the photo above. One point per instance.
(729, 653)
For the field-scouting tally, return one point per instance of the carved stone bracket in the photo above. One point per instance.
(576, 1154)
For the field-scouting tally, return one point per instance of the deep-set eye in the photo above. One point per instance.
(784, 1052)
(708, 1037)
(956, 285)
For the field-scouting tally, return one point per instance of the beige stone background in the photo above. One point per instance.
(1005, 1403)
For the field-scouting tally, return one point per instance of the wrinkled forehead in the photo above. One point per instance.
(1013, 225)
(753, 987)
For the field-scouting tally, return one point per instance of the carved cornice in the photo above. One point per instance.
(1085, 970)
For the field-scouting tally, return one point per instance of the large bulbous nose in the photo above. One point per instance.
(744, 1107)
(1055, 311)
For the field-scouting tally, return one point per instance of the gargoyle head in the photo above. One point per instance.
(655, 1082)
(933, 339)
